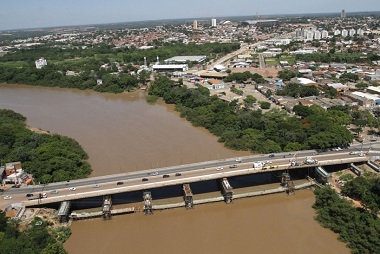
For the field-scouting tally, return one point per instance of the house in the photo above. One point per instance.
(215, 84)
(339, 87)
(14, 174)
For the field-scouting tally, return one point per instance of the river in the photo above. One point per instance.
(122, 133)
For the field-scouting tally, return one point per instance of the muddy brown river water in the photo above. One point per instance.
(122, 133)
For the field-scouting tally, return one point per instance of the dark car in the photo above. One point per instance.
(271, 155)
(119, 183)
(145, 179)
(233, 166)
(29, 195)
(178, 174)
(166, 176)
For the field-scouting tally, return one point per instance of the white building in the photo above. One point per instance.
(337, 32)
(310, 35)
(213, 22)
(352, 32)
(317, 35)
(40, 63)
(360, 32)
(325, 34)
(344, 33)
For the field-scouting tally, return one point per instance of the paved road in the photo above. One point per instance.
(189, 173)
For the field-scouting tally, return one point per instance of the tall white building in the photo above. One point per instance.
(40, 63)
(310, 35)
(337, 32)
(317, 35)
(343, 14)
(352, 32)
(360, 32)
(325, 34)
(195, 25)
(213, 22)
(344, 33)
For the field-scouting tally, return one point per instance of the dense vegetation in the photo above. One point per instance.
(244, 76)
(357, 227)
(37, 238)
(242, 129)
(337, 58)
(86, 62)
(49, 158)
(367, 190)
(296, 90)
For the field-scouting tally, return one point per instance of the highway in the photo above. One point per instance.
(189, 173)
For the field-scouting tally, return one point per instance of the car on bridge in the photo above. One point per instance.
(7, 197)
(178, 174)
(54, 192)
(29, 195)
(165, 176)
(144, 179)
(155, 174)
(238, 160)
(271, 155)
(233, 166)
(72, 189)
(119, 183)
(95, 186)
(219, 168)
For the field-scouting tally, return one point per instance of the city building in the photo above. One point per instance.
(317, 35)
(185, 59)
(343, 14)
(213, 22)
(170, 67)
(352, 32)
(40, 63)
(344, 33)
(325, 34)
(195, 25)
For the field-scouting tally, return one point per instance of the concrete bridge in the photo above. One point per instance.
(178, 175)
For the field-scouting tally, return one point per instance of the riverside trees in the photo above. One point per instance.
(242, 129)
(48, 157)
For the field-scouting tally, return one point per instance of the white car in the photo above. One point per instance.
(54, 192)
(7, 197)
(219, 168)
(72, 189)
(95, 186)
(238, 160)
(155, 174)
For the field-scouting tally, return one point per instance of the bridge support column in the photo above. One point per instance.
(288, 183)
(63, 211)
(148, 203)
(227, 191)
(321, 175)
(107, 207)
(188, 196)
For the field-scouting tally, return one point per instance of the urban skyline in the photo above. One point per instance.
(23, 14)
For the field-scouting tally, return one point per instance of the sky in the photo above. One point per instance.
(18, 14)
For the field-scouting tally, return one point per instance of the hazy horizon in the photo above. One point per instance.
(26, 14)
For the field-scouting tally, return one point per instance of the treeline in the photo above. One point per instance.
(337, 58)
(356, 227)
(52, 77)
(37, 238)
(50, 158)
(128, 55)
(367, 190)
(19, 67)
(244, 76)
(273, 131)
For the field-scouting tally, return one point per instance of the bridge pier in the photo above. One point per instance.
(321, 175)
(148, 206)
(188, 196)
(63, 211)
(227, 190)
(288, 183)
(107, 207)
